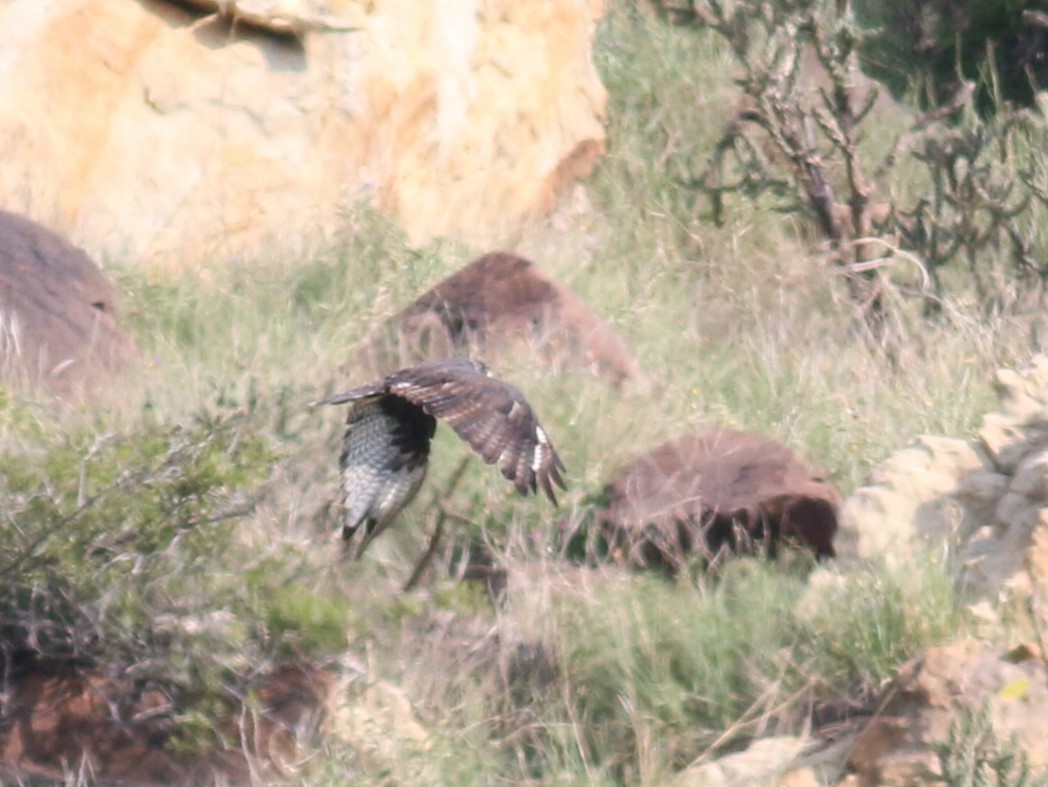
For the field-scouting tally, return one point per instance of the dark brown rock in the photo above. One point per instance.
(717, 489)
(499, 303)
(59, 717)
(58, 327)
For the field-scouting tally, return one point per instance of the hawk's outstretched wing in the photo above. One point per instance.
(492, 416)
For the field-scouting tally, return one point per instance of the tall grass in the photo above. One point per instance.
(599, 677)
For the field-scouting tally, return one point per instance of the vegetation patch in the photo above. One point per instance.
(120, 551)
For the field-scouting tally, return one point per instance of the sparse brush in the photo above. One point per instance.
(973, 755)
(642, 660)
(120, 554)
(805, 134)
(860, 626)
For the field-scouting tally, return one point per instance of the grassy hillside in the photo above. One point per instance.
(181, 526)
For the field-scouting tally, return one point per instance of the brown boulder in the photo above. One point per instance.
(714, 490)
(59, 718)
(502, 303)
(57, 311)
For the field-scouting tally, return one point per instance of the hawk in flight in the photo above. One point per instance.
(391, 423)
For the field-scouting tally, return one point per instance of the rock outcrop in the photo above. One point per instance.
(58, 326)
(983, 501)
(713, 490)
(949, 715)
(182, 131)
(501, 304)
(769, 761)
(984, 701)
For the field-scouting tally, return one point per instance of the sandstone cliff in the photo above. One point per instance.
(179, 132)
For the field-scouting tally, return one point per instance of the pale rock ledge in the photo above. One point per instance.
(185, 132)
(982, 502)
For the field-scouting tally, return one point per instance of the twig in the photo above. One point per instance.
(872, 264)
(438, 527)
(427, 556)
(1035, 19)
(905, 141)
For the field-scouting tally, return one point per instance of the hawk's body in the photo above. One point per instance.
(383, 462)
(390, 424)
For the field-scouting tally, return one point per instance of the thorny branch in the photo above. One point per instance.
(441, 514)
(799, 130)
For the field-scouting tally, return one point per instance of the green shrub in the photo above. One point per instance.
(972, 755)
(121, 551)
(923, 50)
(877, 618)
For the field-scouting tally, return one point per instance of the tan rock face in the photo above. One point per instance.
(766, 761)
(927, 702)
(173, 134)
(983, 501)
(961, 700)
(911, 497)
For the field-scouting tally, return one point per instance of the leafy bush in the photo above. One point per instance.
(122, 551)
